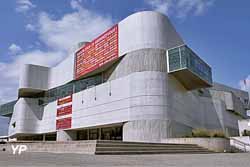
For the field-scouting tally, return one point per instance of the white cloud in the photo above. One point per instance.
(245, 84)
(160, 5)
(30, 27)
(24, 5)
(36, 57)
(66, 32)
(9, 73)
(14, 49)
(180, 8)
(59, 35)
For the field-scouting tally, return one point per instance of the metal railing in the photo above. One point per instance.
(240, 143)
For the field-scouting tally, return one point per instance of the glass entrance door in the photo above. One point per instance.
(107, 133)
(111, 133)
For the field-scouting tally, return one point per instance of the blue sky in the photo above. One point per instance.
(44, 32)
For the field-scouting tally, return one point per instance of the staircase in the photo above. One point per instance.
(120, 147)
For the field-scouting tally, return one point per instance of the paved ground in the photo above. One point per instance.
(174, 160)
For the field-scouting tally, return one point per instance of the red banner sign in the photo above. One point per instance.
(64, 100)
(64, 123)
(64, 111)
(97, 53)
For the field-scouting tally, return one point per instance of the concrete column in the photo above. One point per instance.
(44, 137)
(62, 135)
(145, 131)
(100, 134)
(88, 133)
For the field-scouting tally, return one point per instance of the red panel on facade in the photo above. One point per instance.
(64, 110)
(97, 53)
(64, 100)
(64, 123)
(64, 107)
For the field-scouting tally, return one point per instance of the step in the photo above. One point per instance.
(155, 152)
(181, 147)
(144, 148)
(120, 147)
(142, 144)
(141, 147)
(127, 142)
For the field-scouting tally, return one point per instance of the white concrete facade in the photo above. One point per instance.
(151, 104)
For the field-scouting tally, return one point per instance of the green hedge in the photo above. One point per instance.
(207, 133)
(246, 133)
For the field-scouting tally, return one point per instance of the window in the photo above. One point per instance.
(174, 59)
(201, 92)
(246, 101)
(69, 89)
(14, 125)
(184, 58)
(64, 90)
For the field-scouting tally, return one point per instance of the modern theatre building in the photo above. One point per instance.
(138, 81)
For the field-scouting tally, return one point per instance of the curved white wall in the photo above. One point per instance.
(26, 116)
(147, 30)
(30, 118)
(34, 77)
(137, 96)
(151, 99)
(141, 93)
(44, 78)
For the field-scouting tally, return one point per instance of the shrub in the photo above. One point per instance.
(207, 133)
(200, 133)
(218, 133)
(246, 133)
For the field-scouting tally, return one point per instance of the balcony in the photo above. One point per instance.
(189, 68)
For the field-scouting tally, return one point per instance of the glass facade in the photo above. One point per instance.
(184, 58)
(57, 93)
(107, 133)
(69, 89)
(7, 109)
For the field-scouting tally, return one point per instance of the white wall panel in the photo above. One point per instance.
(62, 73)
(33, 76)
(147, 30)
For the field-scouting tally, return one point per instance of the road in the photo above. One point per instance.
(162, 160)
